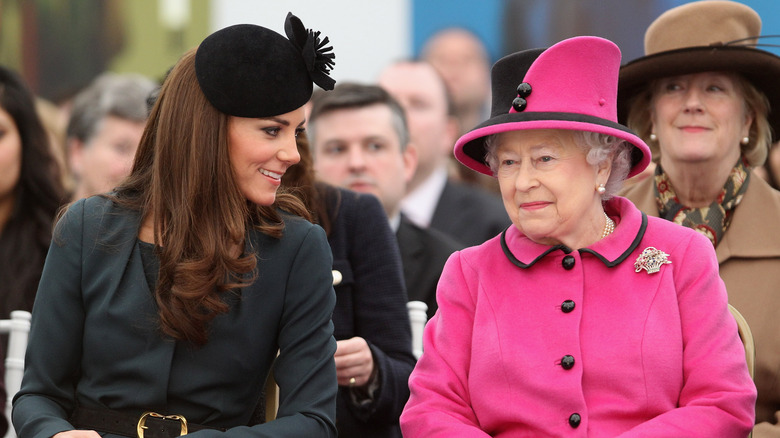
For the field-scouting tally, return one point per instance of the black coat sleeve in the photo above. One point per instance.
(371, 303)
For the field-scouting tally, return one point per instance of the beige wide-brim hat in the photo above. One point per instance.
(710, 35)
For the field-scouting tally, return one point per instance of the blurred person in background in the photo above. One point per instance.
(770, 171)
(105, 126)
(360, 141)
(462, 60)
(707, 101)
(54, 119)
(434, 199)
(370, 322)
(30, 194)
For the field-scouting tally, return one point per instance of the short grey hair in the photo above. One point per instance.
(599, 148)
(110, 94)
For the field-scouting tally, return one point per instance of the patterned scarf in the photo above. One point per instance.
(713, 220)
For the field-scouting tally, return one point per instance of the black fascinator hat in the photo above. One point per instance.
(247, 70)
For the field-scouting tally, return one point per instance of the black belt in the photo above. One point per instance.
(148, 425)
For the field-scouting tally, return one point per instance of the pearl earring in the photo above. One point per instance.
(745, 140)
(601, 189)
(653, 137)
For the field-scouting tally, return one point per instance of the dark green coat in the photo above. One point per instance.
(95, 341)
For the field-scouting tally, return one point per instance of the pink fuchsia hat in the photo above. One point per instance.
(571, 85)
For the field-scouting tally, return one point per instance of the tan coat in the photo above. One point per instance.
(749, 258)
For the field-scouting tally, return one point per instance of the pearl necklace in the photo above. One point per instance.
(609, 227)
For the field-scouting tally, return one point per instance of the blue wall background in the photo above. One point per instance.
(486, 19)
(483, 17)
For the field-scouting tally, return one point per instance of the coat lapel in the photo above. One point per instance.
(751, 234)
(412, 250)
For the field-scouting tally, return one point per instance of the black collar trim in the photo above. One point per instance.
(520, 264)
(639, 235)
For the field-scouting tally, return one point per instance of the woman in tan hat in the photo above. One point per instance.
(705, 99)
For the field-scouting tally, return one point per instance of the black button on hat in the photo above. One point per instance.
(567, 306)
(519, 104)
(574, 420)
(568, 262)
(524, 89)
(567, 362)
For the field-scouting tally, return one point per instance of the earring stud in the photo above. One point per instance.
(601, 189)
(653, 137)
(745, 140)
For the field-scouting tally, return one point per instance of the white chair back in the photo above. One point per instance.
(18, 328)
(418, 316)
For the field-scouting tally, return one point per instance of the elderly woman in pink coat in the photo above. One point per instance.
(586, 317)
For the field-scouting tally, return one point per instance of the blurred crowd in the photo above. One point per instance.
(377, 173)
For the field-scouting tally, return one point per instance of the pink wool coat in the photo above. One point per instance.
(523, 347)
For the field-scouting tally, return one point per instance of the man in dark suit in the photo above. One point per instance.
(360, 142)
(466, 212)
(423, 254)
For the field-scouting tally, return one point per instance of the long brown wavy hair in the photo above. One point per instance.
(183, 180)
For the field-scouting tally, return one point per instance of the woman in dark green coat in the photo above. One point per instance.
(163, 304)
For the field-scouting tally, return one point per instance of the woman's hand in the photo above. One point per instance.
(77, 434)
(353, 361)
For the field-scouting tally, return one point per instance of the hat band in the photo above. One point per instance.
(551, 116)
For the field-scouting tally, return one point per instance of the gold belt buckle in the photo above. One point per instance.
(142, 422)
